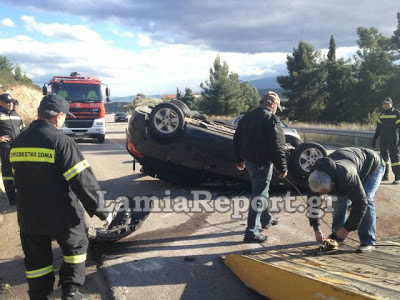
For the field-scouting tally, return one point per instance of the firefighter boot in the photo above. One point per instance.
(71, 292)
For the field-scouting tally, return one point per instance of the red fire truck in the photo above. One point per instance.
(86, 102)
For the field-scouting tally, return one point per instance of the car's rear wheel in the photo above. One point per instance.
(305, 155)
(166, 120)
(185, 109)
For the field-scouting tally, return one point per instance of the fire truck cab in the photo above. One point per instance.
(86, 102)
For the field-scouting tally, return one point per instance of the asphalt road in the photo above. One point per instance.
(174, 255)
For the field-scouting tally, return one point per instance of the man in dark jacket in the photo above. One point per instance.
(50, 173)
(352, 174)
(387, 128)
(260, 146)
(10, 126)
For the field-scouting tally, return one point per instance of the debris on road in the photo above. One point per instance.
(327, 245)
(5, 288)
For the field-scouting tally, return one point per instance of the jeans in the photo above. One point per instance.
(367, 229)
(260, 176)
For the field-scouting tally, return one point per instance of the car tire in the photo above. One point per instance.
(305, 155)
(160, 123)
(185, 109)
(293, 140)
(101, 138)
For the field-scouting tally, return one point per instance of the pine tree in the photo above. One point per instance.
(189, 99)
(250, 95)
(5, 64)
(18, 73)
(305, 84)
(178, 94)
(332, 49)
(375, 69)
(221, 94)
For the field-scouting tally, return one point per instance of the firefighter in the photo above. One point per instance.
(10, 126)
(50, 175)
(387, 128)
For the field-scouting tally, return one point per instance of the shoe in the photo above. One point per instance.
(71, 292)
(256, 239)
(268, 225)
(363, 248)
(396, 182)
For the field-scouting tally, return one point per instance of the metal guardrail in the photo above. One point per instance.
(357, 134)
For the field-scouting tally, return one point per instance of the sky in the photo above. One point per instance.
(156, 46)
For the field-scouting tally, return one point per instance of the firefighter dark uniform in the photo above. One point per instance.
(50, 174)
(387, 129)
(11, 125)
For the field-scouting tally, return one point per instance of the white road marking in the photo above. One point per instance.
(115, 143)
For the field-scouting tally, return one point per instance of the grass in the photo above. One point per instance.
(343, 126)
(340, 141)
(335, 140)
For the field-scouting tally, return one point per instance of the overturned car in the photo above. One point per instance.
(176, 146)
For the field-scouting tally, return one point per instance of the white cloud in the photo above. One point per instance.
(23, 38)
(343, 52)
(128, 34)
(143, 40)
(7, 22)
(156, 68)
(124, 34)
(64, 31)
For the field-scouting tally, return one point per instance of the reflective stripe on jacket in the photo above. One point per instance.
(10, 124)
(49, 172)
(388, 126)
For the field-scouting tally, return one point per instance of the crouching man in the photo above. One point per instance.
(351, 174)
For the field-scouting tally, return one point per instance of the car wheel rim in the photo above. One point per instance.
(166, 120)
(308, 158)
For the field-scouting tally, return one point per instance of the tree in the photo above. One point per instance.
(374, 68)
(189, 99)
(178, 94)
(142, 100)
(332, 49)
(222, 93)
(305, 84)
(395, 39)
(250, 95)
(18, 73)
(341, 104)
(5, 64)
(339, 85)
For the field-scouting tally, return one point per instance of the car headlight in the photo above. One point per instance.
(99, 123)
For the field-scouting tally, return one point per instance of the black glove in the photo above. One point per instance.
(373, 144)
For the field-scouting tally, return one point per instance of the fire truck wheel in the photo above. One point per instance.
(101, 138)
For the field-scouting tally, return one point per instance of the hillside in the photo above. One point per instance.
(265, 82)
(28, 98)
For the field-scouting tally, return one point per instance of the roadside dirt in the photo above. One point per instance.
(28, 99)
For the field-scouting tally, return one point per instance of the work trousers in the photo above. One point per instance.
(390, 149)
(6, 173)
(39, 260)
